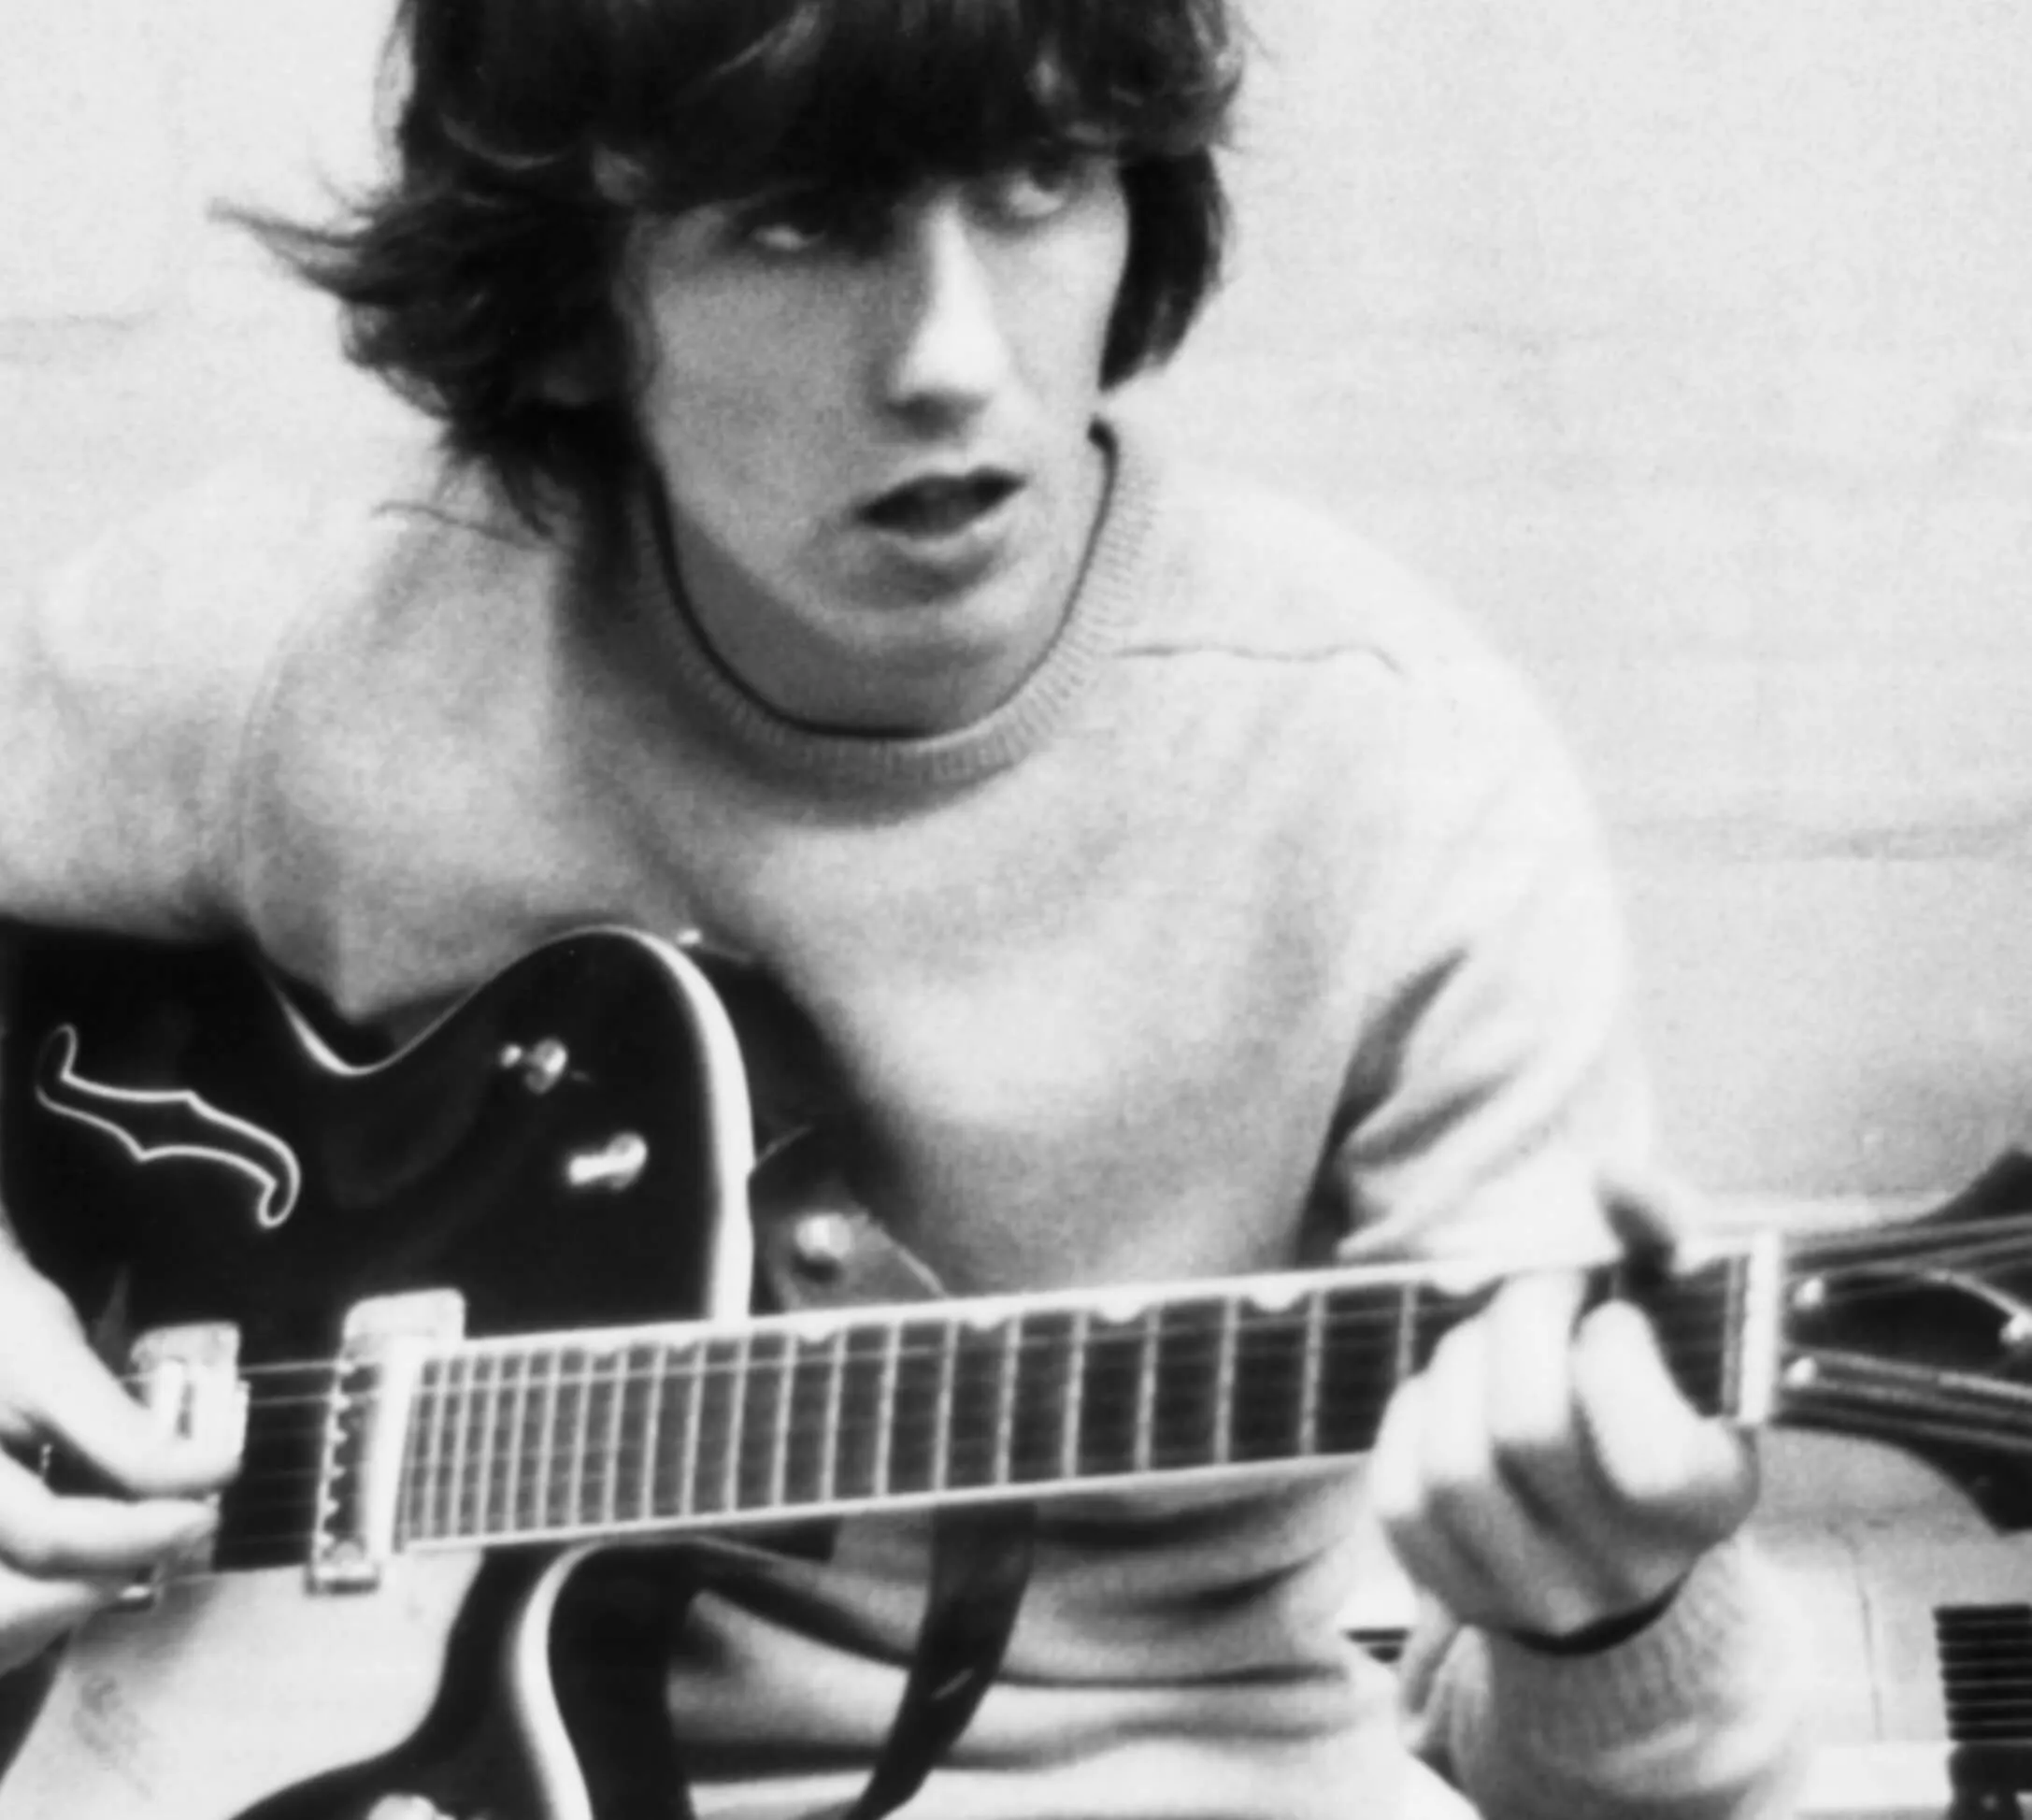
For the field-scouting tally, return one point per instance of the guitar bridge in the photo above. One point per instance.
(367, 1425)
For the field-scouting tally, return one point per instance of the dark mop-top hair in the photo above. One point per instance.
(530, 133)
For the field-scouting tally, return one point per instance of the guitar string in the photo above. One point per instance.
(741, 1453)
(1174, 1354)
(1813, 1256)
(786, 1357)
(1172, 1323)
(1952, 1242)
(497, 1509)
(780, 1351)
(507, 1509)
(789, 1359)
(1983, 1250)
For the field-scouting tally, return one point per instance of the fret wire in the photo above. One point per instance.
(426, 1469)
(455, 1488)
(1074, 1401)
(1309, 1383)
(585, 1475)
(694, 1412)
(1146, 1386)
(472, 1489)
(408, 1479)
(1004, 1402)
(652, 1422)
(485, 1381)
(835, 1372)
(1223, 1385)
(433, 1520)
(512, 1428)
(518, 1432)
(737, 1421)
(611, 1490)
(1407, 1353)
(547, 1434)
(575, 1473)
(780, 1461)
(885, 1409)
(513, 1466)
(566, 1407)
(583, 1377)
(528, 1490)
(941, 1459)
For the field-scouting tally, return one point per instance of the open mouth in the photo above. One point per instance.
(940, 508)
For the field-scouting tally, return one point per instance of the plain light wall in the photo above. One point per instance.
(1688, 345)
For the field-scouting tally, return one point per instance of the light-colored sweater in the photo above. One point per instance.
(1266, 909)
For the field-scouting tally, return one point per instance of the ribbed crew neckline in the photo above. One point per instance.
(1104, 604)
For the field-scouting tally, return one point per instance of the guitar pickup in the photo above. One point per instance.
(188, 1378)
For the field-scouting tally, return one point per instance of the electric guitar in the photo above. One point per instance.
(481, 1315)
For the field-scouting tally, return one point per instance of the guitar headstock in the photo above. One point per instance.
(1919, 1334)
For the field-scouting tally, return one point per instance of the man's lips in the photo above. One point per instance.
(941, 504)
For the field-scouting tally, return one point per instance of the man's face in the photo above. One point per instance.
(876, 437)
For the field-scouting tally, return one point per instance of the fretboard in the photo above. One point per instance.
(555, 1436)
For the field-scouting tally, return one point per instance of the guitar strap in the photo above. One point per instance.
(979, 1564)
(818, 1248)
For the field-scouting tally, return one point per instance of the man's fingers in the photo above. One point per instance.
(1648, 1212)
(79, 1405)
(1682, 1476)
(51, 1537)
(33, 1614)
(87, 1412)
(1465, 1455)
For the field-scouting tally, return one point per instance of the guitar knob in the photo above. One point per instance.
(823, 1241)
(616, 1165)
(540, 1065)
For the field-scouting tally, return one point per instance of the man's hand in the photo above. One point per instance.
(63, 1557)
(1543, 1475)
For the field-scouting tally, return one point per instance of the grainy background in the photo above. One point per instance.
(1689, 344)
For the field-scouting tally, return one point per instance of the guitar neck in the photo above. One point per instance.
(597, 1433)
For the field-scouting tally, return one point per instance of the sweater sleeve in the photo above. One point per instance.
(1495, 1075)
(1697, 1717)
(127, 688)
(1497, 1082)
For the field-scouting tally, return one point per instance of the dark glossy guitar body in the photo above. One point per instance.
(443, 1164)
(559, 1149)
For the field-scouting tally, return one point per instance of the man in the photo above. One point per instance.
(1180, 891)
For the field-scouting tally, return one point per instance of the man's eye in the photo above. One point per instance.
(788, 228)
(1036, 192)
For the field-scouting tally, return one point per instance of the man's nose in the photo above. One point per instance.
(947, 349)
